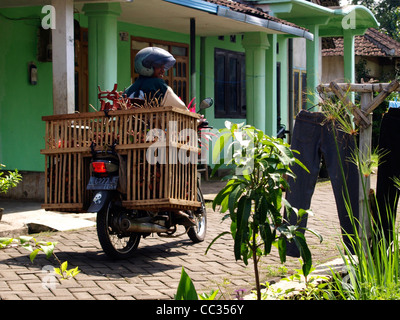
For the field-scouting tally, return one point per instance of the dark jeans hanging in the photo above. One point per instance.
(313, 137)
(389, 168)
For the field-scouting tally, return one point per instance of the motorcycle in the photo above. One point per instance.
(119, 229)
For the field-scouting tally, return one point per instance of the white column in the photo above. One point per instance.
(63, 57)
(313, 54)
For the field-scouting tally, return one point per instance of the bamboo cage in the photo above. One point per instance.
(167, 134)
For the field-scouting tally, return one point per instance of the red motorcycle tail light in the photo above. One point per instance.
(99, 167)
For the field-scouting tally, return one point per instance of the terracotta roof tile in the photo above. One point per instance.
(243, 8)
(372, 43)
(329, 3)
(383, 41)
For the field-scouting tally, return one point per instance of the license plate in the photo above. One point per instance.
(102, 183)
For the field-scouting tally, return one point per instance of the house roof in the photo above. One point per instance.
(332, 20)
(257, 12)
(234, 12)
(213, 17)
(328, 3)
(373, 43)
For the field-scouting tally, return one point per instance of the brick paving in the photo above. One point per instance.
(154, 273)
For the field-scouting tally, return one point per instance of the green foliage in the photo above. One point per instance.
(9, 181)
(362, 72)
(372, 274)
(35, 247)
(187, 291)
(254, 195)
(314, 287)
(64, 272)
(387, 13)
(373, 271)
(209, 296)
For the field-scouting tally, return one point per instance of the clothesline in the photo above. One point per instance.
(362, 87)
(366, 89)
(363, 118)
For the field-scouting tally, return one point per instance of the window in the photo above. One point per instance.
(178, 76)
(296, 87)
(304, 89)
(278, 92)
(300, 91)
(230, 84)
(81, 70)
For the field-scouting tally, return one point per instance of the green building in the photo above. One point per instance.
(258, 61)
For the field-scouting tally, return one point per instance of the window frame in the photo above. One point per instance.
(224, 109)
(296, 92)
(303, 80)
(299, 91)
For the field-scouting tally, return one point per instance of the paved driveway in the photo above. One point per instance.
(155, 271)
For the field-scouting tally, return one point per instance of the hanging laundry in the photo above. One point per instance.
(313, 138)
(394, 104)
(388, 169)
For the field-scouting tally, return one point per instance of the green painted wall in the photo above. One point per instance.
(21, 104)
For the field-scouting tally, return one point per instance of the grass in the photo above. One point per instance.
(373, 272)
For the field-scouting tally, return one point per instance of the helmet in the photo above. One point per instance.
(150, 57)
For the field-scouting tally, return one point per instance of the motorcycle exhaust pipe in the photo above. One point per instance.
(141, 227)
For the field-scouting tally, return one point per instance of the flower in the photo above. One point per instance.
(240, 293)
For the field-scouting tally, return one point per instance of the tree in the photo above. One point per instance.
(387, 12)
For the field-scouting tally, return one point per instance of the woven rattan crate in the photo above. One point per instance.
(170, 184)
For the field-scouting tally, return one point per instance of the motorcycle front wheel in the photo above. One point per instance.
(197, 233)
(114, 244)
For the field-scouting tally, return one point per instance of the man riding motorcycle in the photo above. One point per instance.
(151, 64)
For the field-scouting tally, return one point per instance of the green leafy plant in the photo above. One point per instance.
(254, 196)
(35, 247)
(315, 287)
(64, 272)
(187, 291)
(9, 181)
(373, 271)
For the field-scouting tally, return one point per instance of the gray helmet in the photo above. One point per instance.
(152, 57)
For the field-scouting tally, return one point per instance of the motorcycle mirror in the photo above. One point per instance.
(206, 103)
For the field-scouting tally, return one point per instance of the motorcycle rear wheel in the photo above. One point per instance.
(114, 245)
(197, 233)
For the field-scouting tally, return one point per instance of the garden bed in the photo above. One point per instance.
(296, 287)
